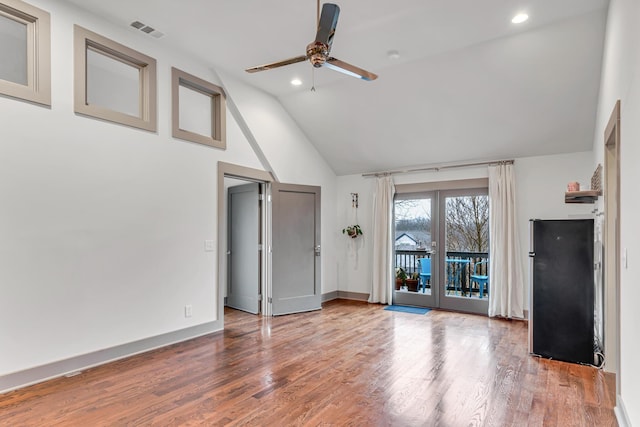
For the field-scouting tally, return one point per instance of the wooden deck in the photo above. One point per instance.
(350, 364)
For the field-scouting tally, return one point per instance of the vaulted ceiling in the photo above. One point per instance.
(467, 84)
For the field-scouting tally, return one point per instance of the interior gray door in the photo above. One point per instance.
(243, 252)
(295, 251)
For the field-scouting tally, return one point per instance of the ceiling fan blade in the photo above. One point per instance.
(327, 24)
(351, 70)
(266, 67)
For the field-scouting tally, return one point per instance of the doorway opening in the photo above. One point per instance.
(243, 278)
(269, 241)
(442, 249)
(245, 242)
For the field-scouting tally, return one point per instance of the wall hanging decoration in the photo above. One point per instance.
(352, 231)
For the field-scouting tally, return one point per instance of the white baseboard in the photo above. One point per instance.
(356, 296)
(69, 366)
(329, 296)
(621, 413)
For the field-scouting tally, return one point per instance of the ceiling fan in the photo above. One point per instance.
(319, 49)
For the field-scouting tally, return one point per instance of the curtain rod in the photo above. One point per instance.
(439, 168)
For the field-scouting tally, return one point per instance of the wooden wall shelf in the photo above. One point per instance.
(586, 196)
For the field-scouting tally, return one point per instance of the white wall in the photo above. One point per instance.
(540, 183)
(621, 68)
(354, 272)
(103, 226)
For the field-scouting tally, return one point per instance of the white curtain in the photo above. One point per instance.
(506, 278)
(381, 289)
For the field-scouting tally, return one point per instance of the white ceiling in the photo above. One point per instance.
(469, 84)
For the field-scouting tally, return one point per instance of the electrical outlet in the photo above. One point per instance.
(188, 310)
(209, 246)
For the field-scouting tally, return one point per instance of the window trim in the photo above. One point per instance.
(38, 21)
(218, 138)
(84, 40)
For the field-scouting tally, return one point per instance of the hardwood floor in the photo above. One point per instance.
(350, 364)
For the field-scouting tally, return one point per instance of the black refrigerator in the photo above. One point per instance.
(561, 324)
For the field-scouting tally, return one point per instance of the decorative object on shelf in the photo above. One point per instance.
(596, 179)
(575, 195)
(352, 231)
(401, 276)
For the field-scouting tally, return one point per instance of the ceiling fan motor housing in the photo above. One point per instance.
(317, 52)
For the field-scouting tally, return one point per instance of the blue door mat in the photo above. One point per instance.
(406, 309)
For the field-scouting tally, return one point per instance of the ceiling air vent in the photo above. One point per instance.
(141, 26)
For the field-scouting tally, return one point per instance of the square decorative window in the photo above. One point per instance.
(199, 110)
(114, 82)
(25, 52)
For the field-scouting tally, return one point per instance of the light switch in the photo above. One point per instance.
(209, 246)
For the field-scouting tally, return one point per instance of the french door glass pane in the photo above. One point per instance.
(467, 246)
(412, 245)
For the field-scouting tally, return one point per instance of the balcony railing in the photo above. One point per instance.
(458, 273)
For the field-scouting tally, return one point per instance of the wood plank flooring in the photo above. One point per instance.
(350, 364)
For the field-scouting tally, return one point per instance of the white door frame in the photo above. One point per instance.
(612, 244)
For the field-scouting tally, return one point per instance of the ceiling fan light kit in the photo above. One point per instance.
(317, 51)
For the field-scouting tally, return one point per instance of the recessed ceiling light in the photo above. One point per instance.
(520, 18)
(296, 82)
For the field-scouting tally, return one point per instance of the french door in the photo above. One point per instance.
(442, 239)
